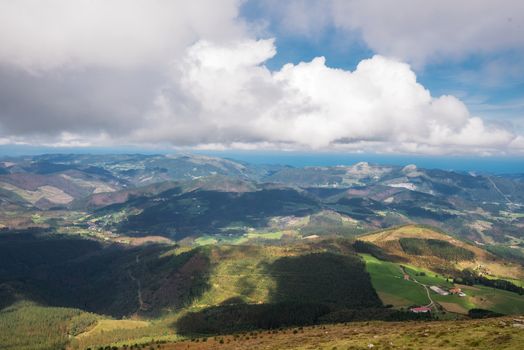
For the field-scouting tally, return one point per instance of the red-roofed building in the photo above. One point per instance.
(420, 309)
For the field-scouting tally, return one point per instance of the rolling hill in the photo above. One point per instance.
(406, 262)
(109, 293)
(485, 208)
(410, 244)
(502, 333)
(123, 249)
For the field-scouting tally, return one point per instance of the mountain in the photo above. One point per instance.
(441, 252)
(107, 250)
(409, 263)
(484, 208)
(113, 293)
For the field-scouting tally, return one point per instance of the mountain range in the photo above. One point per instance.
(101, 251)
(172, 196)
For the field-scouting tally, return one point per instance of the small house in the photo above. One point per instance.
(455, 291)
(420, 309)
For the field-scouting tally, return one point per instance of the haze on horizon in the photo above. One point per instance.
(401, 77)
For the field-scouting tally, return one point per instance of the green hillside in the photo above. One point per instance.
(27, 326)
(404, 267)
(101, 293)
(388, 281)
(487, 334)
(174, 290)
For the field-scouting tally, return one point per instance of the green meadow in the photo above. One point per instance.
(387, 279)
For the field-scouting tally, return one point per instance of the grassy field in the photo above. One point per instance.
(123, 332)
(28, 326)
(240, 239)
(426, 276)
(516, 282)
(248, 276)
(238, 272)
(387, 279)
(495, 299)
(497, 267)
(237, 280)
(486, 334)
(393, 289)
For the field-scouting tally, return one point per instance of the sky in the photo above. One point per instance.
(404, 77)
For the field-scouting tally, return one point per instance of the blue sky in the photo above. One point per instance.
(498, 96)
(403, 77)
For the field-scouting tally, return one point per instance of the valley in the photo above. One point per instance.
(261, 174)
(100, 251)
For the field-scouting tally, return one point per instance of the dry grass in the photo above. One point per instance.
(472, 334)
(136, 241)
(388, 240)
(393, 299)
(111, 325)
(453, 307)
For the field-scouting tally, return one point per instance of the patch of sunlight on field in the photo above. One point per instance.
(244, 278)
(111, 325)
(387, 278)
(264, 235)
(453, 307)
(496, 300)
(239, 239)
(205, 240)
(447, 335)
(427, 277)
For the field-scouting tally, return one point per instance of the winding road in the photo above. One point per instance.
(499, 191)
(431, 301)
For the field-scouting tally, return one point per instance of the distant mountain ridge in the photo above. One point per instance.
(481, 207)
(183, 245)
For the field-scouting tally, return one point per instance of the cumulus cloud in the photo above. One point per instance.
(118, 33)
(192, 74)
(229, 96)
(92, 66)
(411, 30)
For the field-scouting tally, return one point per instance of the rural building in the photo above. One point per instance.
(439, 290)
(421, 309)
(311, 237)
(406, 277)
(455, 291)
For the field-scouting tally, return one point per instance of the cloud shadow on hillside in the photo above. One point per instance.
(74, 272)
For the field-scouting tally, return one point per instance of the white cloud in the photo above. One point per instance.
(230, 97)
(190, 74)
(37, 35)
(518, 143)
(91, 66)
(410, 30)
(419, 31)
